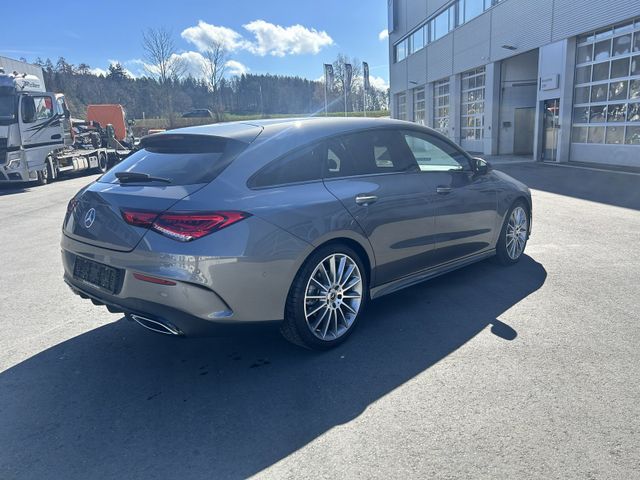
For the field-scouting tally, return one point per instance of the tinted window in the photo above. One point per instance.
(7, 106)
(377, 151)
(337, 162)
(434, 154)
(300, 166)
(182, 159)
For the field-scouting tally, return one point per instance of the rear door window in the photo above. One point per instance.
(181, 159)
(303, 165)
(379, 151)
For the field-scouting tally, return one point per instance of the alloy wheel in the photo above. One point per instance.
(333, 296)
(517, 229)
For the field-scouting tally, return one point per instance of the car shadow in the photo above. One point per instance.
(120, 402)
(610, 187)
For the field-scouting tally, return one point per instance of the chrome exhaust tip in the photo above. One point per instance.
(155, 325)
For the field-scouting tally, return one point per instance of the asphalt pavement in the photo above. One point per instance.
(529, 371)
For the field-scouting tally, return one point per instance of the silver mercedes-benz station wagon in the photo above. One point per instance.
(301, 221)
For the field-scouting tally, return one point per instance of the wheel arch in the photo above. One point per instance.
(365, 253)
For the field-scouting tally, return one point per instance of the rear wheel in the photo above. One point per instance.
(326, 298)
(514, 235)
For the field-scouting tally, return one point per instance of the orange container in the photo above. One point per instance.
(105, 114)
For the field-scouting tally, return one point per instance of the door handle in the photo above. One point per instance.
(365, 200)
(57, 136)
(443, 190)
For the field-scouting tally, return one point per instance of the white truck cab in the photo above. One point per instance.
(34, 125)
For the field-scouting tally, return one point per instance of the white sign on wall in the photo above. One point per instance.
(549, 82)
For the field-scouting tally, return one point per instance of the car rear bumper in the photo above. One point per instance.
(237, 286)
(161, 318)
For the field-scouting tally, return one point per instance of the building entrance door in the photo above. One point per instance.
(523, 128)
(550, 127)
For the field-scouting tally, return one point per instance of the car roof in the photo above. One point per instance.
(302, 128)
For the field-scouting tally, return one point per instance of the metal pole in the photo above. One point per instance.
(345, 95)
(325, 96)
(364, 101)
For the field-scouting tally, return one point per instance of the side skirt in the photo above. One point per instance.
(419, 277)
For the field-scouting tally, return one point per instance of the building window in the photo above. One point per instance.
(458, 13)
(441, 106)
(470, 9)
(606, 102)
(472, 104)
(400, 52)
(417, 40)
(401, 106)
(419, 105)
(442, 24)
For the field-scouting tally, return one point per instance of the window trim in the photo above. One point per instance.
(408, 128)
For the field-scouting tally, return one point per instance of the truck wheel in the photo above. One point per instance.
(103, 162)
(52, 170)
(43, 176)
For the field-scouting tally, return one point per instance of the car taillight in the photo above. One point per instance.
(183, 226)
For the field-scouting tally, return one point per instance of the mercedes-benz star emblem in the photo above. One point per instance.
(89, 218)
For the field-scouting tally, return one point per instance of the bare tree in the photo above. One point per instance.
(162, 60)
(339, 72)
(213, 71)
(163, 63)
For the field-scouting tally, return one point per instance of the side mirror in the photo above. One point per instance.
(481, 166)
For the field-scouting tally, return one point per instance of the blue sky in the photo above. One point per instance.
(269, 36)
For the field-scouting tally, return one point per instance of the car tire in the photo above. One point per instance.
(322, 319)
(513, 235)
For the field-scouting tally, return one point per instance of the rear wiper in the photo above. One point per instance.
(132, 177)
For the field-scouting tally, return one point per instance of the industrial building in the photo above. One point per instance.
(556, 79)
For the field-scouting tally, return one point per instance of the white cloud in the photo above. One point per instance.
(378, 82)
(236, 68)
(280, 41)
(204, 34)
(193, 62)
(268, 38)
(383, 35)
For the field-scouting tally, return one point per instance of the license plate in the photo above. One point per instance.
(97, 274)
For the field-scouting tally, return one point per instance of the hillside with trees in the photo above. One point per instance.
(155, 96)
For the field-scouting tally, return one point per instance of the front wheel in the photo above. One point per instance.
(514, 235)
(43, 176)
(326, 298)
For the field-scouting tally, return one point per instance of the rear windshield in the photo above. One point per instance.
(180, 159)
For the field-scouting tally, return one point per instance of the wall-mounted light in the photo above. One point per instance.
(508, 47)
